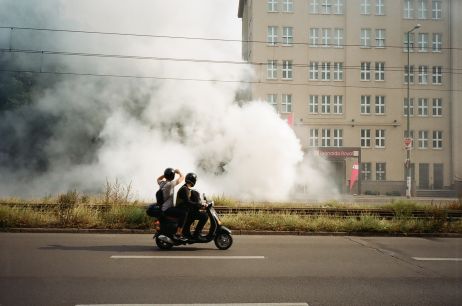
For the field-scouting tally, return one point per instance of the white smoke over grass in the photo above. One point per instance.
(99, 128)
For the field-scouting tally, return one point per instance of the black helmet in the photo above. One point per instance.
(191, 178)
(169, 174)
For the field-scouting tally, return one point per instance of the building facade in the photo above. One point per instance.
(338, 71)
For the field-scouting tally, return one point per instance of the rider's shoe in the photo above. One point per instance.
(179, 238)
(188, 236)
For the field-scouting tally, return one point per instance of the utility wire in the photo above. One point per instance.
(194, 60)
(288, 83)
(189, 37)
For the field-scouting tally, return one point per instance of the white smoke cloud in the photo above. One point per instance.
(134, 128)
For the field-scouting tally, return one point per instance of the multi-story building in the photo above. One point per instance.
(338, 70)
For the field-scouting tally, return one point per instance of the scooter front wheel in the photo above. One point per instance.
(223, 241)
(163, 245)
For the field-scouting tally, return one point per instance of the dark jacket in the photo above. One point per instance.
(185, 200)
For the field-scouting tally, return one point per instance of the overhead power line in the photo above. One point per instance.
(196, 60)
(186, 37)
(288, 83)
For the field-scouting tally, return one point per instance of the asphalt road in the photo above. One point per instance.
(80, 269)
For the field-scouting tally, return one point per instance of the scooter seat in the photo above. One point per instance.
(170, 218)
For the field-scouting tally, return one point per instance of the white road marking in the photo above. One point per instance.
(183, 257)
(437, 258)
(224, 304)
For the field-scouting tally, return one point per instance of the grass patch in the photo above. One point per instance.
(121, 211)
(134, 217)
(365, 223)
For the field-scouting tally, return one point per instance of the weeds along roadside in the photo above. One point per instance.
(134, 217)
(120, 211)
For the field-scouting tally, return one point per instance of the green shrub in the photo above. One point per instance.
(18, 217)
(224, 201)
(66, 205)
(119, 216)
(403, 208)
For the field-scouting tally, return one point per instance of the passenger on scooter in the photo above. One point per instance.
(190, 201)
(168, 182)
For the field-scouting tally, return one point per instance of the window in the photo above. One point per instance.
(338, 71)
(423, 42)
(338, 38)
(365, 105)
(423, 139)
(287, 36)
(325, 138)
(409, 43)
(437, 76)
(338, 105)
(337, 7)
(365, 71)
(325, 104)
(366, 171)
(286, 70)
(272, 100)
(380, 171)
(437, 42)
(380, 71)
(408, 9)
(436, 9)
(423, 74)
(314, 37)
(288, 6)
(379, 7)
(380, 38)
(314, 6)
(272, 36)
(422, 107)
(286, 103)
(437, 109)
(313, 104)
(314, 70)
(325, 71)
(325, 37)
(365, 7)
(437, 139)
(272, 5)
(271, 70)
(422, 9)
(411, 107)
(409, 74)
(365, 138)
(380, 138)
(379, 105)
(325, 7)
(338, 138)
(365, 41)
(314, 140)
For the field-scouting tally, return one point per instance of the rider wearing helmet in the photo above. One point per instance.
(167, 183)
(189, 200)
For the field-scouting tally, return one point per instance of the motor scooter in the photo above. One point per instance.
(166, 228)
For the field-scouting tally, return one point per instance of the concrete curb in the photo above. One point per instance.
(235, 232)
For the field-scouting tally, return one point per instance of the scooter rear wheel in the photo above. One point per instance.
(163, 245)
(223, 241)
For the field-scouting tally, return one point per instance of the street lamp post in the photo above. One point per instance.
(408, 132)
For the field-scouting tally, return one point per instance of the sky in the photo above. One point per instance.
(176, 106)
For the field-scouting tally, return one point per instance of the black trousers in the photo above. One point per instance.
(179, 213)
(195, 214)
